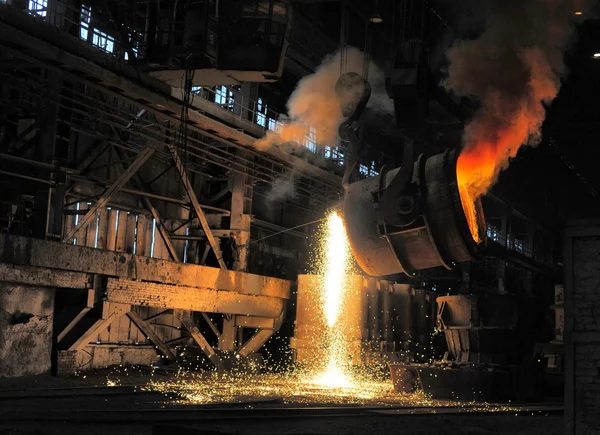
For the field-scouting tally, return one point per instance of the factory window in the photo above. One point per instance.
(368, 169)
(135, 53)
(100, 39)
(310, 140)
(84, 24)
(335, 154)
(97, 229)
(187, 242)
(135, 233)
(38, 7)
(518, 245)
(274, 125)
(103, 41)
(196, 89)
(492, 233)
(153, 242)
(224, 97)
(261, 108)
(76, 223)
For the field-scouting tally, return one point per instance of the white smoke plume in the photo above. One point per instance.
(314, 103)
(283, 188)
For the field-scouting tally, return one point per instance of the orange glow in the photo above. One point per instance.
(501, 127)
(578, 13)
(470, 210)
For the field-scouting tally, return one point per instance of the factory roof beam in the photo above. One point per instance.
(103, 200)
(154, 100)
(195, 204)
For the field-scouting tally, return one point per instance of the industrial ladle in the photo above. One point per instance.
(405, 219)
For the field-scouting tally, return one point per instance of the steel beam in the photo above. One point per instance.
(162, 230)
(103, 200)
(41, 276)
(124, 87)
(211, 325)
(261, 337)
(255, 322)
(72, 323)
(210, 300)
(205, 255)
(188, 322)
(219, 196)
(20, 138)
(110, 313)
(151, 335)
(18, 250)
(227, 337)
(195, 204)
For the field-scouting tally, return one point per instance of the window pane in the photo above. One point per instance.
(37, 7)
(260, 119)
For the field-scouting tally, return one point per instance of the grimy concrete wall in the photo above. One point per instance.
(26, 317)
(582, 328)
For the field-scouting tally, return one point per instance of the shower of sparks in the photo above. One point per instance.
(333, 269)
(330, 378)
(287, 388)
(336, 256)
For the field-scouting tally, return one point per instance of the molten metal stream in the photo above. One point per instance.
(469, 188)
(335, 267)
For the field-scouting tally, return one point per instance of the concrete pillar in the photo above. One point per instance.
(241, 207)
(26, 328)
(227, 339)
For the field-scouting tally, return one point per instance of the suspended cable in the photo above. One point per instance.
(286, 230)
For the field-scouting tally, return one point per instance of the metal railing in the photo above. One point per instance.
(261, 116)
(80, 22)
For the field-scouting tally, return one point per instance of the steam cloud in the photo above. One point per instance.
(284, 187)
(514, 69)
(315, 104)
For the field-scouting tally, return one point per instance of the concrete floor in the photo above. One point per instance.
(85, 405)
(416, 425)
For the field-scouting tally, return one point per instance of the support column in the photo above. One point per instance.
(106, 196)
(227, 339)
(45, 207)
(241, 207)
(195, 204)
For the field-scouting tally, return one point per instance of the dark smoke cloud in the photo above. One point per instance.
(514, 68)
